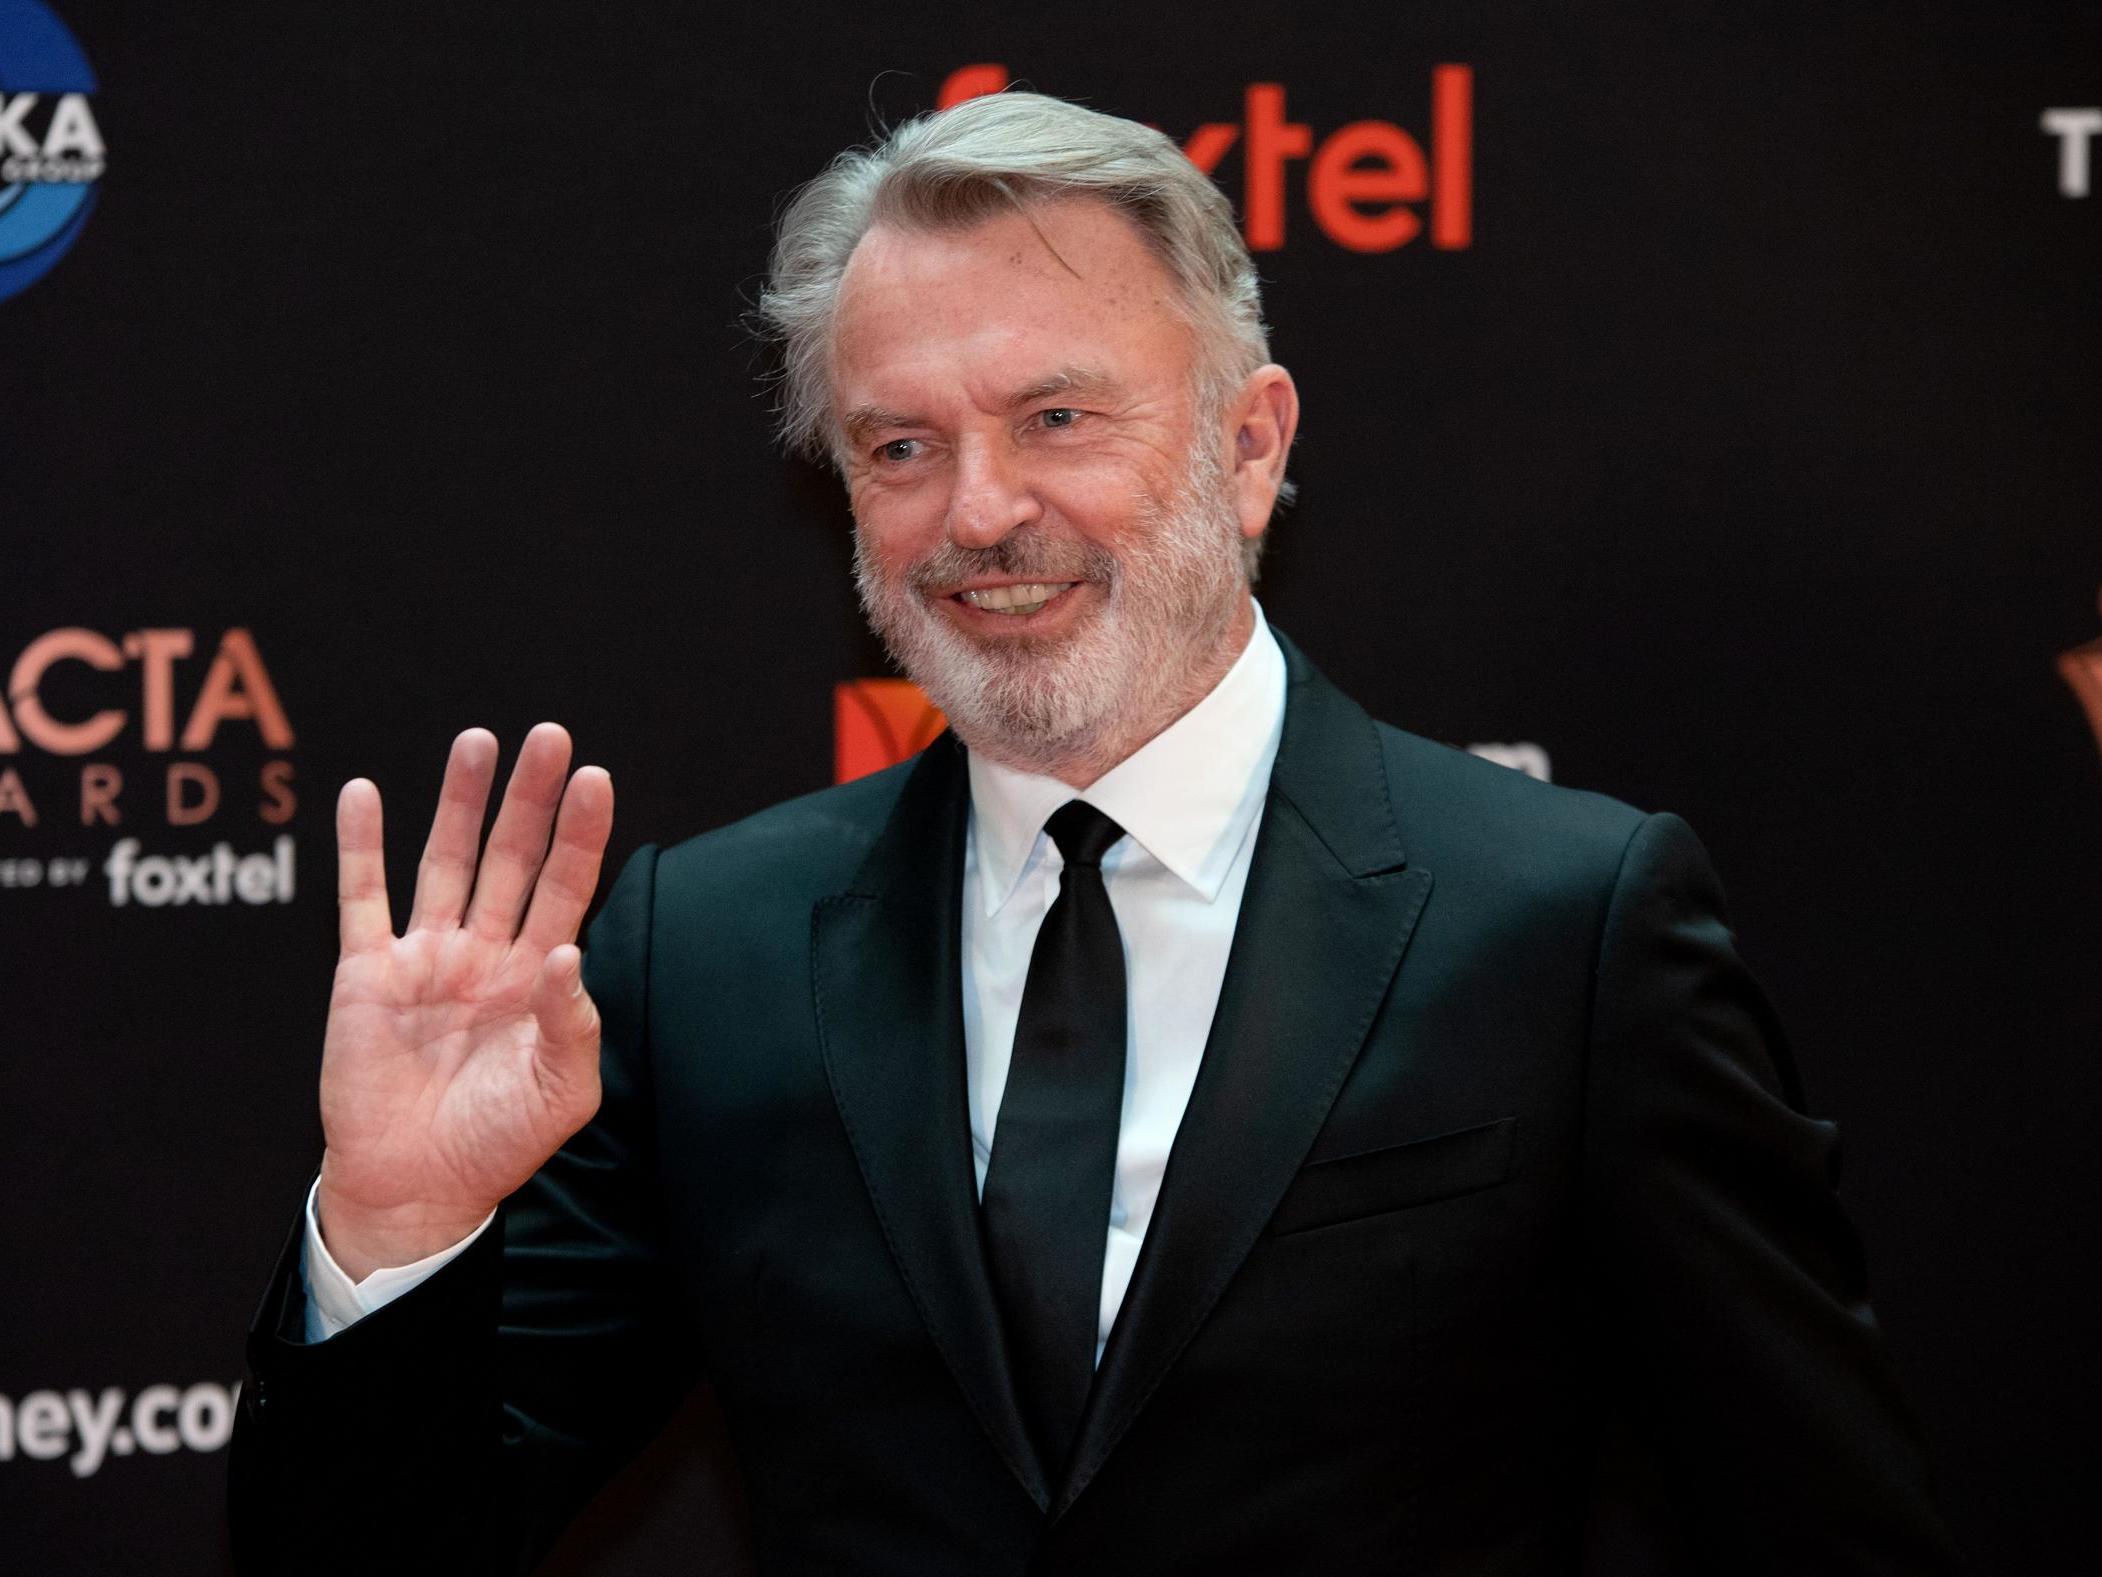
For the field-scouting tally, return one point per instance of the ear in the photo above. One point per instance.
(1260, 423)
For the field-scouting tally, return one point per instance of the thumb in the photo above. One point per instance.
(566, 1015)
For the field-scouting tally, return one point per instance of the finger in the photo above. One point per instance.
(446, 874)
(569, 877)
(361, 869)
(518, 841)
(568, 1021)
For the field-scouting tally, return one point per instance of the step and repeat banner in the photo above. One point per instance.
(1701, 406)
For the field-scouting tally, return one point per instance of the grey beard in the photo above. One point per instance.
(1128, 668)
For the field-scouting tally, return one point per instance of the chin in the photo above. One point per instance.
(1022, 700)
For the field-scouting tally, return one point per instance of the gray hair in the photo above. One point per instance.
(989, 155)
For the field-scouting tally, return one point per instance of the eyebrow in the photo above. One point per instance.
(865, 419)
(862, 420)
(1067, 380)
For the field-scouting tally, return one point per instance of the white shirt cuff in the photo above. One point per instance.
(335, 1302)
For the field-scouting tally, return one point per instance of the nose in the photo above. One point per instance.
(992, 495)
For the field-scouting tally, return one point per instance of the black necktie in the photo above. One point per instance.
(1047, 1186)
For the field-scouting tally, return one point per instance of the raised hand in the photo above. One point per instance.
(461, 1054)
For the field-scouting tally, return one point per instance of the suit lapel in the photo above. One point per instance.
(888, 978)
(1327, 913)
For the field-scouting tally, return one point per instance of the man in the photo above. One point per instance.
(1174, 1124)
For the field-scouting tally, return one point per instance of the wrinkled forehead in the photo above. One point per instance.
(1068, 282)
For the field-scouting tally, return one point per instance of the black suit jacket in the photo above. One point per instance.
(1495, 1175)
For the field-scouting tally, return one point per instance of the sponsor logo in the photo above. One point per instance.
(877, 723)
(2082, 668)
(214, 878)
(84, 1429)
(101, 732)
(1521, 755)
(2075, 130)
(51, 152)
(1369, 186)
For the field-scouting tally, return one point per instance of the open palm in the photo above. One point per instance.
(462, 1053)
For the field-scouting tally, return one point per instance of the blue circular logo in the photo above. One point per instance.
(51, 153)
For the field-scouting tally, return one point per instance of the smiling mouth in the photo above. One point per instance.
(1022, 599)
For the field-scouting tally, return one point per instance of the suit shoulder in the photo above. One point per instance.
(1453, 807)
(800, 849)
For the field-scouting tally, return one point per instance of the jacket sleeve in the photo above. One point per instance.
(461, 1426)
(1725, 1266)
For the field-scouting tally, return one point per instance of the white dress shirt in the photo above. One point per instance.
(1189, 800)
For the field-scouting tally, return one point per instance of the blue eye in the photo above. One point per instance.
(898, 450)
(1060, 416)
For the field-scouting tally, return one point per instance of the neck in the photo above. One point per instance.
(1079, 762)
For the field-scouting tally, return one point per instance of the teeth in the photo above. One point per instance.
(1025, 598)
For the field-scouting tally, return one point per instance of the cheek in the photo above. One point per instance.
(886, 538)
(1104, 506)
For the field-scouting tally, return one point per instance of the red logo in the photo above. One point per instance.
(1361, 179)
(135, 716)
(877, 723)
(2082, 667)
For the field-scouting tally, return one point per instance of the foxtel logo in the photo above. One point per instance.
(215, 878)
(877, 723)
(2082, 669)
(1360, 179)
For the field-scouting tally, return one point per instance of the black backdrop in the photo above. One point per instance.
(1744, 461)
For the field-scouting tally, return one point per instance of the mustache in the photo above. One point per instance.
(1024, 553)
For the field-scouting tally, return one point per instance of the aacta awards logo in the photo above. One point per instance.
(1363, 180)
(101, 732)
(51, 153)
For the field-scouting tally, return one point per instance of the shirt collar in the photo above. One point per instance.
(1187, 796)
